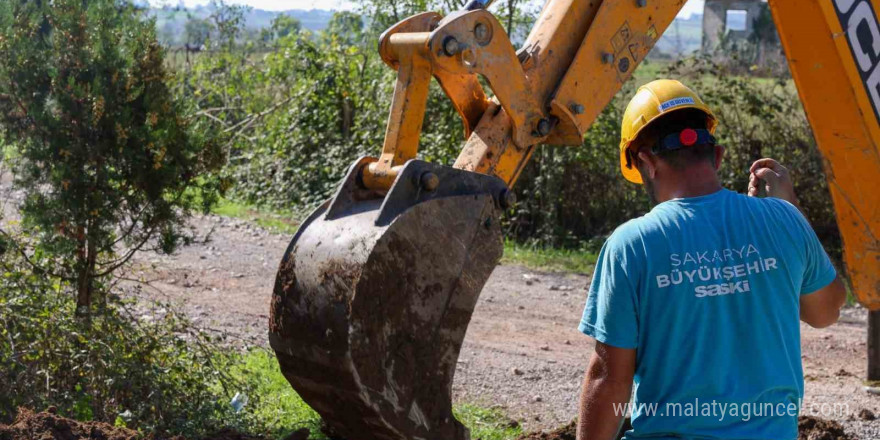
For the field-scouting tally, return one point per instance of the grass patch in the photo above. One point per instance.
(557, 260)
(278, 409)
(486, 424)
(274, 221)
(281, 410)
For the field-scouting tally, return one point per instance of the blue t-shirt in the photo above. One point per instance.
(706, 289)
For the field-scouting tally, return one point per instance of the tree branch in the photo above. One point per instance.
(35, 266)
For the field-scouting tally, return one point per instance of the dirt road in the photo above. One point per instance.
(522, 352)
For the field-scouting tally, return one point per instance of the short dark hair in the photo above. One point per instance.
(675, 122)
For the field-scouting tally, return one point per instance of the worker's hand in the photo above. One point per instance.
(775, 179)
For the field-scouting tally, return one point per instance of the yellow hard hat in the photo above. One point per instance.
(651, 101)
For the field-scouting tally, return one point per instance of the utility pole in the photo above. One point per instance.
(874, 345)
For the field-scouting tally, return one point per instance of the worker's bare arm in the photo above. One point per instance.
(822, 307)
(607, 384)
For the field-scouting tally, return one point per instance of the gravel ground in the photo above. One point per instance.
(522, 353)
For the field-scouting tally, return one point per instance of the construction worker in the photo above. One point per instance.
(695, 305)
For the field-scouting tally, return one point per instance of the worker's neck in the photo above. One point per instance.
(696, 182)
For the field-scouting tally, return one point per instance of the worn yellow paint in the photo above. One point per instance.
(621, 36)
(407, 109)
(567, 67)
(845, 125)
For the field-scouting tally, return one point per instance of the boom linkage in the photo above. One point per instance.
(576, 58)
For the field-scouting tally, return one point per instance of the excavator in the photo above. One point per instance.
(375, 292)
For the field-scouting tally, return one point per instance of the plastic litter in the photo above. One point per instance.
(238, 402)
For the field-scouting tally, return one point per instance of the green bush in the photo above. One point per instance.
(570, 197)
(300, 114)
(572, 194)
(148, 369)
(324, 102)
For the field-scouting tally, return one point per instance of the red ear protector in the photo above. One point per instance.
(685, 138)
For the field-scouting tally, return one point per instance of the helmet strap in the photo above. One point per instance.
(688, 137)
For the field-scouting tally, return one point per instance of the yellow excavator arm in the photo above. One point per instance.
(374, 294)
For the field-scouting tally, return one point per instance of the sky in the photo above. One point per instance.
(690, 7)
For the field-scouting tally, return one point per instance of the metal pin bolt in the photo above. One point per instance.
(429, 181)
(607, 58)
(543, 127)
(481, 32)
(577, 108)
(641, 3)
(450, 46)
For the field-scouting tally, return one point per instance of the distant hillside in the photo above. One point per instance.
(683, 36)
(170, 21)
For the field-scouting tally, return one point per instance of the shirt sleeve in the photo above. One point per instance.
(610, 315)
(818, 270)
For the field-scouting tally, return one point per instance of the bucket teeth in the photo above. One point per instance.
(368, 315)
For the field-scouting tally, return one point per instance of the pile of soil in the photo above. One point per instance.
(29, 425)
(814, 428)
(809, 428)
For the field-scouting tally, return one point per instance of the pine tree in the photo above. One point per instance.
(109, 163)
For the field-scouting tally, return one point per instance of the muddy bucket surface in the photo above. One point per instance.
(374, 295)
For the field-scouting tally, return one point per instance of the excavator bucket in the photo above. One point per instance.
(374, 295)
